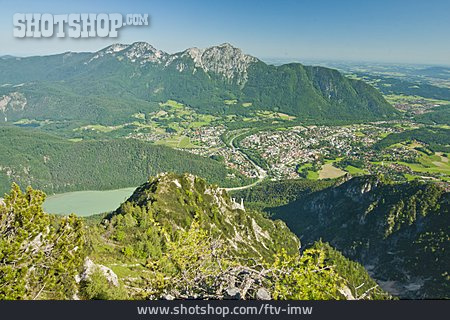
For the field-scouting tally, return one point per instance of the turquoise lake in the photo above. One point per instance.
(86, 203)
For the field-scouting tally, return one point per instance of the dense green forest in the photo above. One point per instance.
(270, 194)
(439, 115)
(55, 165)
(394, 229)
(176, 238)
(438, 139)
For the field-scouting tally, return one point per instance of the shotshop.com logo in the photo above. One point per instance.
(74, 25)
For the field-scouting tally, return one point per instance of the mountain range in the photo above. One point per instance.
(110, 85)
(182, 236)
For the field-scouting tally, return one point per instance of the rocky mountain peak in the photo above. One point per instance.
(226, 46)
(144, 48)
(195, 54)
(224, 60)
(141, 52)
(174, 201)
(116, 47)
(228, 61)
(144, 52)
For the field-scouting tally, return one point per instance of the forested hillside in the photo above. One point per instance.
(397, 231)
(438, 139)
(55, 165)
(439, 115)
(111, 85)
(270, 194)
(175, 238)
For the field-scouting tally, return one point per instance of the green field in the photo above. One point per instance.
(311, 175)
(413, 101)
(432, 164)
(179, 141)
(355, 171)
(230, 102)
(327, 171)
(172, 103)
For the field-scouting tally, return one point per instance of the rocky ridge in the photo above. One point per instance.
(224, 60)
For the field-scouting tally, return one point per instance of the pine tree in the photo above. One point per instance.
(39, 254)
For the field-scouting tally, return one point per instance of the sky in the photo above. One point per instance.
(395, 31)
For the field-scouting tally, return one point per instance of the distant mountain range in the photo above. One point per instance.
(110, 85)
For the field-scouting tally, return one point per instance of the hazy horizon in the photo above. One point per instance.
(407, 32)
(268, 60)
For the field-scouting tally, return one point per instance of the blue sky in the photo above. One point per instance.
(386, 31)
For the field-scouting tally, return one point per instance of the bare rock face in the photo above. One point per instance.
(90, 267)
(224, 60)
(347, 293)
(168, 297)
(138, 52)
(233, 293)
(13, 101)
(228, 61)
(263, 294)
(144, 52)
